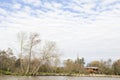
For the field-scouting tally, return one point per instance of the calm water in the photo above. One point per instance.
(54, 78)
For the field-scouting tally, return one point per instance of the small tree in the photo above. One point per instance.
(116, 67)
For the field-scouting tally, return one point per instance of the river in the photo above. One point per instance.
(54, 78)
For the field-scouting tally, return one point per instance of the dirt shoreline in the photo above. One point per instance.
(81, 75)
(72, 75)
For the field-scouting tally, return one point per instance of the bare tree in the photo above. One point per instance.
(33, 41)
(49, 52)
(22, 39)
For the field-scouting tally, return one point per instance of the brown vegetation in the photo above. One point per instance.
(38, 57)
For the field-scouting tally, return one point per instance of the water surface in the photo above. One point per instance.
(54, 78)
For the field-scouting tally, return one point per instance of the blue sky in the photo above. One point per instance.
(90, 28)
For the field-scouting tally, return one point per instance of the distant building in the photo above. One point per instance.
(92, 69)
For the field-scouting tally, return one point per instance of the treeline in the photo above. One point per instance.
(37, 57)
(104, 67)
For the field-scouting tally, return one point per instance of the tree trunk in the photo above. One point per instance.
(29, 60)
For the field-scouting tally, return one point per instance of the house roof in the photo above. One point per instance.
(92, 67)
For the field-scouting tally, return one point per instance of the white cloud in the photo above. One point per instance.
(72, 34)
(33, 2)
(16, 6)
(2, 11)
(107, 2)
(56, 5)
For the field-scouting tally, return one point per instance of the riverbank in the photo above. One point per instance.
(80, 75)
(63, 74)
(10, 77)
(95, 75)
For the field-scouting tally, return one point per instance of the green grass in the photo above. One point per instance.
(5, 72)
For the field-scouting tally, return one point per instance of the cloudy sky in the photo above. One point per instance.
(90, 28)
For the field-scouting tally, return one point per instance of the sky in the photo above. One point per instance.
(88, 28)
